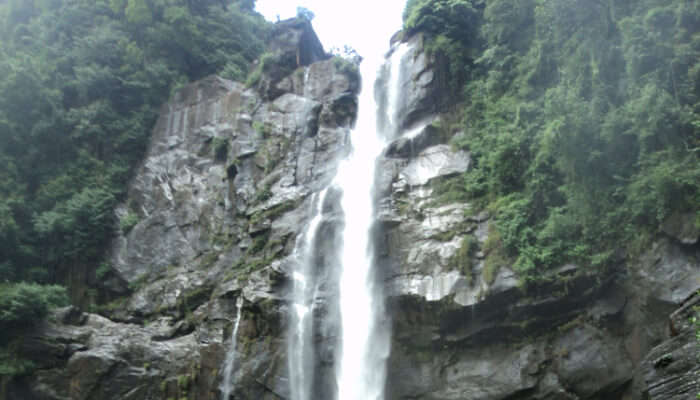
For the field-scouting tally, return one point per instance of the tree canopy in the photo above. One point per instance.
(82, 82)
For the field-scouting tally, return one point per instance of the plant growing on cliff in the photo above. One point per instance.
(128, 221)
(220, 149)
(462, 259)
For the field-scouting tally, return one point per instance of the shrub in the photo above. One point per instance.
(24, 304)
(128, 222)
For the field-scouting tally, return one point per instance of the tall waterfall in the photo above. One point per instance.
(227, 382)
(364, 343)
(300, 338)
(361, 371)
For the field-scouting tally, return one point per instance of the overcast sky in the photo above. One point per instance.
(366, 25)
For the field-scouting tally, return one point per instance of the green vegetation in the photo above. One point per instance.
(462, 259)
(22, 306)
(347, 67)
(266, 62)
(582, 118)
(220, 148)
(81, 84)
(128, 222)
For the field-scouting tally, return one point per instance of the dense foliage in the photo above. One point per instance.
(583, 118)
(81, 84)
(22, 305)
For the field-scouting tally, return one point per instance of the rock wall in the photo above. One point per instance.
(226, 189)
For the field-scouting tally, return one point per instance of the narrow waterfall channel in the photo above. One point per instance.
(227, 382)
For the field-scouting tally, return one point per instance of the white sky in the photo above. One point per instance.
(366, 25)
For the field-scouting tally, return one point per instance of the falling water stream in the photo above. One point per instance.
(364, 346)
(299, 343)
(360, 371)
(227, 382)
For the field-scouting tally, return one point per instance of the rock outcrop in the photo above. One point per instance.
(226, 189)
(670, 371)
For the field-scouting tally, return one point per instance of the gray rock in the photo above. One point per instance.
(668, 273)
(591, 364)
(422, 93)
(433, 162)
(670, 370)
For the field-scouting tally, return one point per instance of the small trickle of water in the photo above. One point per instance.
(227, 381)
(307, 72)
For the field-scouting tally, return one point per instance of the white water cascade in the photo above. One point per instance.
(300, 337)
(365, 346)
(227, 381)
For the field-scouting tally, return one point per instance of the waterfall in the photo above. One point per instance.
(394, 85)
(365, 345)
(227, 381)
(300, 337)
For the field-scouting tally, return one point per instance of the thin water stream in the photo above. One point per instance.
(227, 383)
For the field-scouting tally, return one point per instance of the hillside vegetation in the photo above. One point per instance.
(82, 82)
(583, 119)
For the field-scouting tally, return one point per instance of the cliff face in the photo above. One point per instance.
(225, 191)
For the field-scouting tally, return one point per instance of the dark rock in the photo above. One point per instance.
(72, 316)
(670, 371)
(294, 44)
(297, 36)
(408, 147)
(682, 227)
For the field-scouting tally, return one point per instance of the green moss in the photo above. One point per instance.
(220, 149)
(112, 306)
(462, 259)
(209, 258)
(274, 212)
(183, 382)
(262, 129)
(139, 283)
(495, 256)
(259, 242)
(190, 300)
(264, 194)
(574, 323)
(128, 222)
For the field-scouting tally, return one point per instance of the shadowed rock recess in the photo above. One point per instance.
(225, 190)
